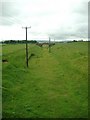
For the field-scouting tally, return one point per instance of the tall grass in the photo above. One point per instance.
(54, 86)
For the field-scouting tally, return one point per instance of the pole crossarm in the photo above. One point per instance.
(26, 27)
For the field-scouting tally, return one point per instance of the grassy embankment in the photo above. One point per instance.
(55, 84)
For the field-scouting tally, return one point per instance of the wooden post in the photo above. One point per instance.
(26, 46)
(26, 49)
(49, 45)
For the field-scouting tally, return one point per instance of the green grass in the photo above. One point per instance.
(0, 80)
(54, 86)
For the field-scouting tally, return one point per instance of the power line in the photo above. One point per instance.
(26, 45)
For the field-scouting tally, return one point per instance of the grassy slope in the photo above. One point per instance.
(0, 80)
(55, 84)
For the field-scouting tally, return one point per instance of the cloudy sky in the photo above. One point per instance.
(58, 19)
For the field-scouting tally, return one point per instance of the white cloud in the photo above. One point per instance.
(56, 18)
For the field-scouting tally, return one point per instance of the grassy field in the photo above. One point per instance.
(54, 86)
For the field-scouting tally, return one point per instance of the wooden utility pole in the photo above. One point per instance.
(26, 46)
(49, 45)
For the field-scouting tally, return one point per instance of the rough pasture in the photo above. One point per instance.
(54, 86)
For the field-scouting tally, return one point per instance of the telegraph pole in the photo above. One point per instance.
(49, 45)
(26, 46)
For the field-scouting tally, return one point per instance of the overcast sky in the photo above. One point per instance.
(58, 19)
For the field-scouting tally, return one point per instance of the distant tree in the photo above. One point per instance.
(6, 42)
(32, 41)
(80, 40)
(19, 41)
(74, 40)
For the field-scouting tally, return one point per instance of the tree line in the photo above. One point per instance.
(17, 41)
